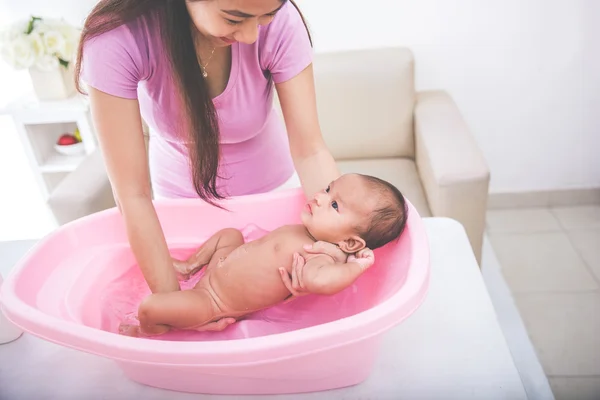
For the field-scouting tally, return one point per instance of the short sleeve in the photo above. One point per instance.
(286, 49)
(111, 63)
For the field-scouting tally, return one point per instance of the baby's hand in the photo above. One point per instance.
(365, 258)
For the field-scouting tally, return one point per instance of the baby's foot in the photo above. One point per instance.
(217, 326)
(129, 330)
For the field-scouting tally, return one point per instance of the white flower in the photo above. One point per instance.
(46, 25)
(7, 55)
(47, 62)
(71, 36)
(48, 42)
(37, 44)
(21, 54)
(9, 34)
(66, 47)
(54, 42)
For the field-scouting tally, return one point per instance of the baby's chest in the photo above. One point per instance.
(258, 254)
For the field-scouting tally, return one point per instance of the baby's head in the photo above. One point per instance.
(356, 211)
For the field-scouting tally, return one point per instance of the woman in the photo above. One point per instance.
(201, 74)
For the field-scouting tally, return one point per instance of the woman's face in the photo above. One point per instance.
(225, 22)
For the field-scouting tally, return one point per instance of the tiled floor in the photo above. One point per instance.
(550, 259)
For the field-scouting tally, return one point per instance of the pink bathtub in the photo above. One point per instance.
(77, 283)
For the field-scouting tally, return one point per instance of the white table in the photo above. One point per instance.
(450, 348)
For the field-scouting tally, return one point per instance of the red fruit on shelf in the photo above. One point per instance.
(66, 140)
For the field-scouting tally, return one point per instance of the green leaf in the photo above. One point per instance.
(63, 62)
(31, 24)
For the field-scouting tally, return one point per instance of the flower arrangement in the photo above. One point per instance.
(40, 43)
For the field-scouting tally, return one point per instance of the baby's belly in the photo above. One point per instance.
(243, 286)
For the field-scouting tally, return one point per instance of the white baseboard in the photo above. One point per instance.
(549, 198)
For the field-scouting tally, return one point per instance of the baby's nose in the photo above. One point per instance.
(318, 198)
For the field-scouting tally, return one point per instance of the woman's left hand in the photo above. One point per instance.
(294, 281)
(295, 284)
(183, 269)
(330, 249)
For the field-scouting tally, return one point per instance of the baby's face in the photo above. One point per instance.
(334, 213)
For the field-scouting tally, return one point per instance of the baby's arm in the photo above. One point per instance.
(219, 245)
(323, 275)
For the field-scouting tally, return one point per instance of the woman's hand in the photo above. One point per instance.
(183, 269)
(296, 284)
(327, 274)
(119, 129)
(327, 248)
(312, 159)
(186, 269)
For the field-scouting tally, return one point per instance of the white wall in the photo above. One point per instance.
(523, 72)
(73, 11)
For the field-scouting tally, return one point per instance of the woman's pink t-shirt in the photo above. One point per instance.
(129, 62)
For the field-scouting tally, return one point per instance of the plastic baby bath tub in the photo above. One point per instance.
(76, 285)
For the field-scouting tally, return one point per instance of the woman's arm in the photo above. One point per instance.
(119, 127)
(313, 161)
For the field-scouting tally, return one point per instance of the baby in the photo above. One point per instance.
(356, 213)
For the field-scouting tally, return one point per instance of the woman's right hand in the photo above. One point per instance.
(183, 269)
(119, 127)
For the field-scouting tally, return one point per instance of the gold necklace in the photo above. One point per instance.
(196, 44)
(204, 73)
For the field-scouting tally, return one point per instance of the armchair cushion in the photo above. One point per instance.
(365, 101)
(84, 191)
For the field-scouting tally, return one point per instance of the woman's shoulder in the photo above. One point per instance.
(132, 36)
(286, 22)
(116, 60)
(285, 47)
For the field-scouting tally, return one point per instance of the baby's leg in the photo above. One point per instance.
(218, 246)
(188, 309)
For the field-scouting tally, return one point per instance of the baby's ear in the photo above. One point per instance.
(352, 244)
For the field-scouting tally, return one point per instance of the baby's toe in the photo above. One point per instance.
(129, 330)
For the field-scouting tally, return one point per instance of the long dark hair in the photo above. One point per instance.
(199, 115)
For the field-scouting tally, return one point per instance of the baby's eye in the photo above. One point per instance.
(327, 190)
(334, 204)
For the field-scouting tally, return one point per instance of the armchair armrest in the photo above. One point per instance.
(84, 191)
(453, 170)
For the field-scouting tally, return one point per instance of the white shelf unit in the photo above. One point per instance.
(40, 124)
